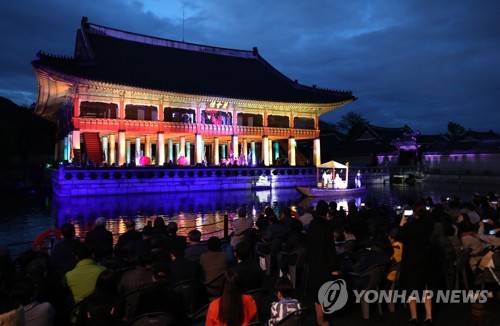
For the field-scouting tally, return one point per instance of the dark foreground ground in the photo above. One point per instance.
(487, 314)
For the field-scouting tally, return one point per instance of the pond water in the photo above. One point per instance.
(24, 217)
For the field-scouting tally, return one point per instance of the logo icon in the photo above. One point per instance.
(333, 295)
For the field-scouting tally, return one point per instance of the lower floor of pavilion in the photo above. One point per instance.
(122, 148)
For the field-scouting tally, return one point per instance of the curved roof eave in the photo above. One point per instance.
(71, 79)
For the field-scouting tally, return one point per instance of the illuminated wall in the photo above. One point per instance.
(463, 163)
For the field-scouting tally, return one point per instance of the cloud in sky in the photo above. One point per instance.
(421, 63)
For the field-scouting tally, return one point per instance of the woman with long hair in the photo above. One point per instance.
(232, 308)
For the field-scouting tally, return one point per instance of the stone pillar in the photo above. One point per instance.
(198, 147)
(112, 149)
(128, 154)
(316, 152)
(66, 149)
(254, 156)
(138, 151)
(160, 149)
(203, 149)
(147, 146)
(265, 150)
(271, 158)
(188, 152)
(170, 150)
(183, 146)
(105, 149)
(177, 151)
(236, 155)
(121, 148)
(291, 151)
(223, 150)
(245, 148)
(276, 150)
(216, 151)
(77, 153)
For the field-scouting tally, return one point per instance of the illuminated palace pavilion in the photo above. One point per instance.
(124, 96)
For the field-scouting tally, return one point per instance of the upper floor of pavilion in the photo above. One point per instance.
(110, 64)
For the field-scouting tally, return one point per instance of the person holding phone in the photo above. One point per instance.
(416, 272)
(488, 233)
(469, 239)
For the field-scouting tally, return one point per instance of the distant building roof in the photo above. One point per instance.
(472, 135)
(431, 139)
(384, 134)
(123, 58)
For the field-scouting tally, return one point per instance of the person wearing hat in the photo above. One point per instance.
(241, 225)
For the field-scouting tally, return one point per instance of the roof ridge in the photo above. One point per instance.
(158, 41)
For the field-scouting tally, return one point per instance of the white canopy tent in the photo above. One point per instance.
(333, 165)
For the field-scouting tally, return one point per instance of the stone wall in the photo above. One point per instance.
(467, 164)
(69, 182)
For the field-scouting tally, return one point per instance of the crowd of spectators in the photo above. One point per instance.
(93, 281)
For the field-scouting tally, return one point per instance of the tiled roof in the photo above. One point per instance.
(124, 58)
(370, 132)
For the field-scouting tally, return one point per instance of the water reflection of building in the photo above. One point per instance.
(190, 210)
(125, 94)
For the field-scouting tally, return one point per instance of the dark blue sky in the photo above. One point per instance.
(417, 62)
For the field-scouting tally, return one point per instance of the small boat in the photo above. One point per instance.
(328, 192)
(336, 187)
(262, 184)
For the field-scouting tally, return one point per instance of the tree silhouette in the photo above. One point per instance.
(455, 130)
(350, 123)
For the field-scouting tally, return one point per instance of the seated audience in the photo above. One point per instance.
(100, 240)
(182, 269)
(126, 245)
(195, 249)
(241, 225)
(232, 308)
(214, 261)
(159, 298)
(62, 259)
(81, 280)
(250, 274)
(286, 304)
(35, 313)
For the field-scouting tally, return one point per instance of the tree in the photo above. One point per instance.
(350, 123)
(455, 130)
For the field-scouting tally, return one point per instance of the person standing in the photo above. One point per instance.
(416, 270)
(323, 265)
(100, 240)
(357, 180)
